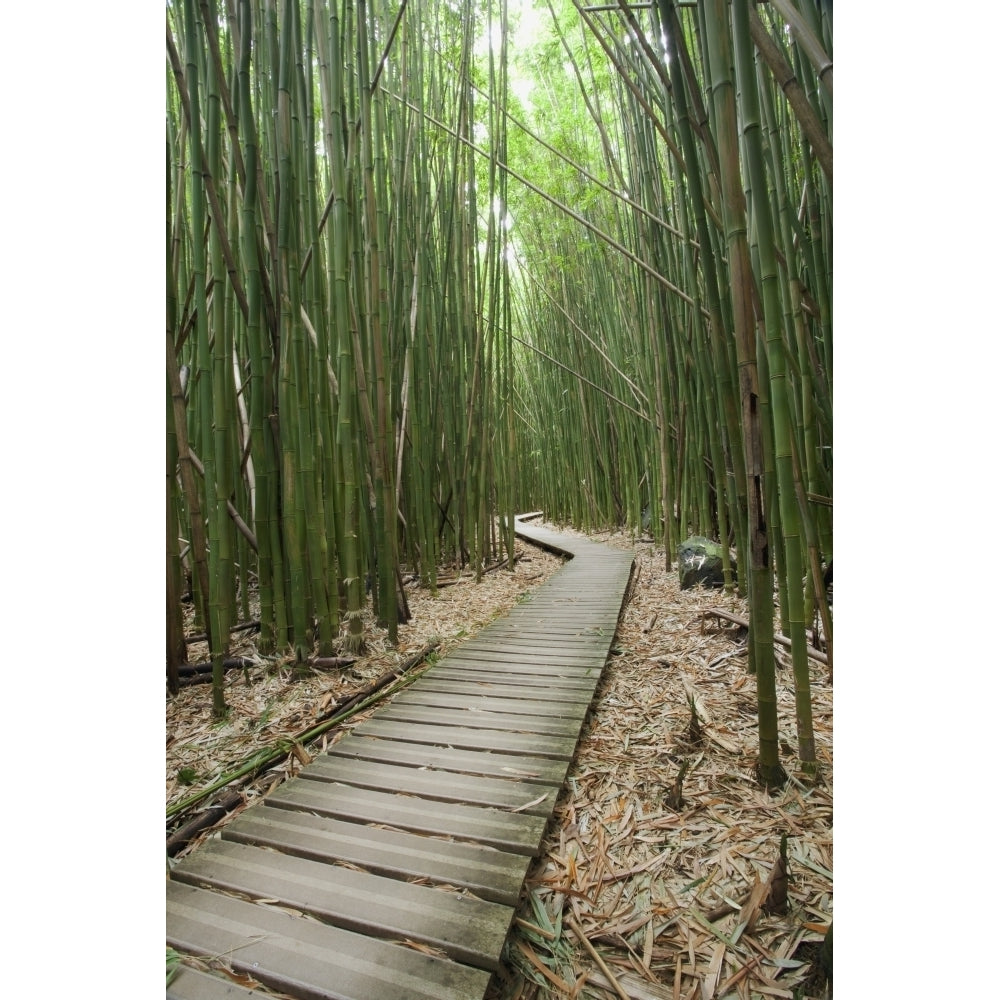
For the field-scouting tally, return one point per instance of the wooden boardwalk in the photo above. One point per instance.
(389, 869)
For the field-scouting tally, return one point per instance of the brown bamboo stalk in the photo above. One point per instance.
(792, 89)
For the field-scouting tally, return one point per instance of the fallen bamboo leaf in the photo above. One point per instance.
(711, 928)
(818, 928)
(616, 986)
(537, 963)
(528, 805)
(741, 973)
(636, 988)
(535, 929)
(247, 982)
(611, 813)
(424, 949)
(711, 980)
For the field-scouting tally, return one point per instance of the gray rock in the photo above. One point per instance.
(699, 560)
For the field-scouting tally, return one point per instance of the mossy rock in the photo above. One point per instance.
(699, 561)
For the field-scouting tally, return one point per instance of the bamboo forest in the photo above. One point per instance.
(431, 264)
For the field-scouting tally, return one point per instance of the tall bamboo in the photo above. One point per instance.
(741, 286)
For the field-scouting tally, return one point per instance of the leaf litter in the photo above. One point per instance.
(647, 887)
(274, 700)
(652, 887)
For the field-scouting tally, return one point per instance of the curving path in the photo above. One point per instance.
(389, 869)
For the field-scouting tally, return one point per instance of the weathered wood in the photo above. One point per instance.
(467, 929)
(536, 770)
(588, 670)
(473, 718)
(502, 793)
(498, 674)
(193, 984)
(514, 832)
(532, 689)
(307, 959)
(581, 654)
(450, 784)
(431, 697)
(559, 748)
(487, 872)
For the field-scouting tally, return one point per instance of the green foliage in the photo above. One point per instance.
(173, 964)
(378, 366)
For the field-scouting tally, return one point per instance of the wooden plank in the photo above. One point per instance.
(573, 595)
(534, 626)
(193, 984)
(485, 871)
(529, 688)
(532, 770)
(529, 678)
(581, 653)
(594, 616)
(556, 747)
(541, 635)
(585, 674)
(473, 719)
(514, 832)
(425, 693)
(427, 789)
(586, 647)
(469, 930)
(307, 959)
(582, 667)
(444, 786)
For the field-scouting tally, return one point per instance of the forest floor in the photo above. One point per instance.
(635, 894)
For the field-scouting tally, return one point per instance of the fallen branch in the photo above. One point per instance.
(782, 640)
(201, 673)
(241, 525)
(202, 821)
(450, 581)
(330, 662)
(601, 964)
(195, 673)
(243, 627)
(376, 685)
(270, 755)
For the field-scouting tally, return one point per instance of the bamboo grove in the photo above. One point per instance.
(425, 269)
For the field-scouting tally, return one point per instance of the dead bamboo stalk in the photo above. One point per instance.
(267, 758)
(778, 637)
(602, 965)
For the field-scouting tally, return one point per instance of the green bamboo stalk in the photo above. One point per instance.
(769, 766)
(780, 404)
(215, 585)
(176, 650)
(808, 41)
(790, 86)
(220, 482)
